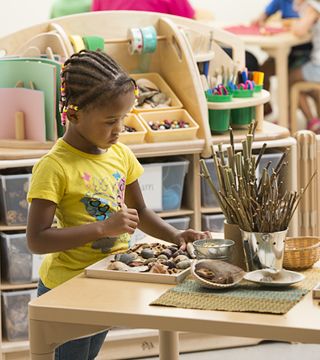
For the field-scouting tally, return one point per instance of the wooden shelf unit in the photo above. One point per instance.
(183, 77)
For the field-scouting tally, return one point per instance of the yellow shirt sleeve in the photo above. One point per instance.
(135, 169)
(48, 181)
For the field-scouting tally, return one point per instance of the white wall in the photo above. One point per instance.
(18, 14)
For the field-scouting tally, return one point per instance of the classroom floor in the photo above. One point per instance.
(263, 351)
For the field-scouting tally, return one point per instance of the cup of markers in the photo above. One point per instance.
(219, 120)
(257, 78)
(242, 117)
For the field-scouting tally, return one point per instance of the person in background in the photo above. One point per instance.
(298, 55)
(69, 7)
(177, 7)
(173, 7)
(310, 71)
(90, 182)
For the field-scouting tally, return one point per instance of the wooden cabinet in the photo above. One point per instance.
(175, 60)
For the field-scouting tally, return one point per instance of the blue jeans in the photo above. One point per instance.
(80, 349)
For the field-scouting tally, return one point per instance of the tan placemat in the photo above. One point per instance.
(246, 296)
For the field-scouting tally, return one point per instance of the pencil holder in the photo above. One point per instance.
(219, 120)
(257, 88)
(242, 117)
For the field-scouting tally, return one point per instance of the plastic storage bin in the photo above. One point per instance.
(207, 197)
(15, 313)
(273, 157)
(18, 265)
(213, 222)
(136, 137)
(163, 87)
(169, 134)
(13, 202)
(180, 223)
(162, 184)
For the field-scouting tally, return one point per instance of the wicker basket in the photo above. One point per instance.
(301, 252)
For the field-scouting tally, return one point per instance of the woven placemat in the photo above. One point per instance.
(245, 296)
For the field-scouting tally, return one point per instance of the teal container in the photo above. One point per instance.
(219, 120)
(241, 118)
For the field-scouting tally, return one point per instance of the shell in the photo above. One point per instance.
(146, 83)
(216, 274)
(118, 265)
(185, 264)
(191, 250)
(179, 258)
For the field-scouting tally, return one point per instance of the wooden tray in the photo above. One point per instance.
(99, 270)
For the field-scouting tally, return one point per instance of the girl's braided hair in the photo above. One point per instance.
(90, 77)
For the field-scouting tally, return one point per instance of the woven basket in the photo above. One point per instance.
(301, 252)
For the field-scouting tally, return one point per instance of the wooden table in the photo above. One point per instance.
(83, 306)
(278, 46)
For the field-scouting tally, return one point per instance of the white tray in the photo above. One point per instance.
(99, 270)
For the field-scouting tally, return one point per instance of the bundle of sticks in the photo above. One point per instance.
(255, 204)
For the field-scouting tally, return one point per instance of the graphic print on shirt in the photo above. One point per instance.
(104, 197)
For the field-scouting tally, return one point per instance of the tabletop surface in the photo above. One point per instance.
(121, 303)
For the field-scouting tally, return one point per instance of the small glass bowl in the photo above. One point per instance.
(214, 249)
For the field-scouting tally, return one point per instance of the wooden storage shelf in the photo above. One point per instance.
(4, 227)
(173, 213)
(267, 132)
(6, 286)
(209, 210)
(238, 103)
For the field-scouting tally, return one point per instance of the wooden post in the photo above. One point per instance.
(19, 125)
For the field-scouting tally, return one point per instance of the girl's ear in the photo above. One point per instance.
(73, 116)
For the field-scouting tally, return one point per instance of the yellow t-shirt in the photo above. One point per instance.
(86, 188)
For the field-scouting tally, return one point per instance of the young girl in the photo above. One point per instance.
(310, 71)
(90, 182)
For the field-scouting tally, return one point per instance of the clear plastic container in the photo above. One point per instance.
(207, 197)
(273, 157)
(213, 222)
(18, 264)
(13, 202)
(162, 184)
(180, 223)
(15, 313)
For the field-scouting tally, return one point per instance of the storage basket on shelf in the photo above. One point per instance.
(301, 252)
(138, 134)
(162, 86)
(149, 119)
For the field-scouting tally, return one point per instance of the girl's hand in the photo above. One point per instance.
(190, 235)
(124, 221)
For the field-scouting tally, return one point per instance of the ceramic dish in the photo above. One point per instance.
(283, 278)
(237, 273)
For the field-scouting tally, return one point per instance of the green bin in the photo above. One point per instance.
(241, 118)
(219, 120)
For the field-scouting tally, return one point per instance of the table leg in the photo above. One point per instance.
(169, 345)
(281, 63)
(45, 336)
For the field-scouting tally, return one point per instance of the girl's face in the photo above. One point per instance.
(99, 127)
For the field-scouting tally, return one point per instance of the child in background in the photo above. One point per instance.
(90, 182)
(310, 71)
(176, 7)
(298, 55)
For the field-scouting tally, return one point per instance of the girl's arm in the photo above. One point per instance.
(303, 26)
(150, 222)
(43, 238)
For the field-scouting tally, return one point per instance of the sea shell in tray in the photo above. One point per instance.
(154, 258)
(216, 274)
